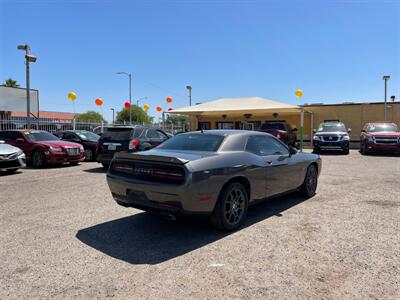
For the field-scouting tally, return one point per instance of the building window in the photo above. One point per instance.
(225, 125)
(204, 125)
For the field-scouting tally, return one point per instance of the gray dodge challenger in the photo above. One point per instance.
(216, 172)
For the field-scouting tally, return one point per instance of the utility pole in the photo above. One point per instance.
(130, 93)
(189, 88)
(113, 110)
(28, 58)
(385, 78)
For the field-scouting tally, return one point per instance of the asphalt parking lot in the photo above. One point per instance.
(62, 236)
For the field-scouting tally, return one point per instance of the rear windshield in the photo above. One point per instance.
(88, 136)
(273, 126)
(40, 136)
(383, 128)
(193, 142)
(121, 133)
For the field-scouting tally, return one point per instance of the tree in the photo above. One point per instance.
(89, 116)
(138, 115)
(11, 83)
(178, 120)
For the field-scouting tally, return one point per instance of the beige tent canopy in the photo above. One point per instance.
(238, 106)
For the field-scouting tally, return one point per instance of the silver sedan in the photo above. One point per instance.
(11, 158)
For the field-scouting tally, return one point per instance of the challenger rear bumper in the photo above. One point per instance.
(184, 198)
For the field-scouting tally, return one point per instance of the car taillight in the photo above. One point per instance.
(278, 135)
(134, 144)
(167, 174)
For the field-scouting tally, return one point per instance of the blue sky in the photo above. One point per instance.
(334, 50)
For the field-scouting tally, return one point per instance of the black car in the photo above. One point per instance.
(86, 138)
(331, 135)
(127, 138)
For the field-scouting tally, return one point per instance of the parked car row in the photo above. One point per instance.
(375, 136)
(40, 148)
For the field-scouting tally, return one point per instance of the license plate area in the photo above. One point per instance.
(137, 196)
(112, 147)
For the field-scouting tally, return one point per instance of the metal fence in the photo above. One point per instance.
(55, 125)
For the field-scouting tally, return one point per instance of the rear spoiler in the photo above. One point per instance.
(145, 157)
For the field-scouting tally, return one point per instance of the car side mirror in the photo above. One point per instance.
(314, 130)
(292, 150)
(2, 142)
(20, 140)
(349, 130)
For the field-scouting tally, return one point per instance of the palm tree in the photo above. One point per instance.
(11, 83)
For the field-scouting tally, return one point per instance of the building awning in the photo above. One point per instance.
(238, 106)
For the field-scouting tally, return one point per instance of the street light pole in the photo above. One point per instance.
(385, 78)
(29, 58)
(130, 93)
(113, 110)
(138, 100)
(189, 88)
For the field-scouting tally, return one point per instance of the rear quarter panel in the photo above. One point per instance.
(209, 174)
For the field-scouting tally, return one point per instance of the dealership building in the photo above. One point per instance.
(250, 113)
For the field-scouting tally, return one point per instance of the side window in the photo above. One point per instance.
(3, 135)
(152, 134)
(264, 145)
(69, 136)
(13, 135)
(161, 135)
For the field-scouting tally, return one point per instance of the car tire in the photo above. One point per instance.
(346, 151)
(89, 155)
(316, 151)
(310, 183)
(231, 208)
(38, 159)
(74, 163)
(105, 166)
(364, 149)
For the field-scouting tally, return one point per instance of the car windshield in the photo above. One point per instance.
(273, 126)
(88, 136)
(383, 128)
(332, 128)
(193, 142)
(40, 136)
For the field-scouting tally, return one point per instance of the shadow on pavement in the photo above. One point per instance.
(95, 170)
(147, 239)
(5, 173)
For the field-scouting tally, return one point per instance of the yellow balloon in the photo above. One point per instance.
(298, 93)
(71, 96)
(146, 107)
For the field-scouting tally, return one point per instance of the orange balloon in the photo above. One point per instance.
(159, 108)
(169, 100)
(99, 102)
(146, 107)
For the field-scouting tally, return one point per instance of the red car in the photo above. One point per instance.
(382, 136)
(41, 147)
(283, 131)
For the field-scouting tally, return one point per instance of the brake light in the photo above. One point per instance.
(167, 174)
(278, 135)
(134, 144)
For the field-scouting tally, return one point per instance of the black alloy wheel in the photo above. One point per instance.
(38, 159)
(89, 155)
(309, 186)
(231, 208)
